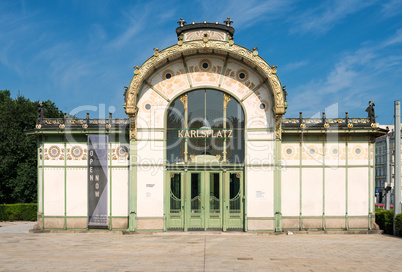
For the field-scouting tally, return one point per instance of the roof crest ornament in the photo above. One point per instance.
(228, 22)
(182, 22)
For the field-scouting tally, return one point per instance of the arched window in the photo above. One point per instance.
(205, 122)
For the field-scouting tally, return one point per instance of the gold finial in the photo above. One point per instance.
(137, 70)
(205, 39)
(255, 52)
(274, 69)
(156, 53)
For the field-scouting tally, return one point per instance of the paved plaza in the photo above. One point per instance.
(195, 251)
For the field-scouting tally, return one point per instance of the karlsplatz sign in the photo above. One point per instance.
(204, 133)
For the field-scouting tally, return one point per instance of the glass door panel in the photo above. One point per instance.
(214, 215)
(175, 215)
(196, 203)
(235, 200)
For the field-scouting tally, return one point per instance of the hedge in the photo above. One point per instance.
(12, 212)
(385, 220)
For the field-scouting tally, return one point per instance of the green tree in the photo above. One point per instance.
(18, 151)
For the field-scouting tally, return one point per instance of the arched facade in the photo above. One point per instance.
(205, 62)
(205, 146)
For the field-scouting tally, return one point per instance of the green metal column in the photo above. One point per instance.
(277, 187)
(133, 186)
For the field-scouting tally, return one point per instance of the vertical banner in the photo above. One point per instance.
(97, 180)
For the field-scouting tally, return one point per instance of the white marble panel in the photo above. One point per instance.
(335, 191)
(120, 180)
(290, 191)
(40, 181)
(150, 135)
(312, 194)
(77, 192)
(150, 152)
(260, 152)
(150, 191)
(260, 135)
(260, 191)
(54, 192)
(358, 191)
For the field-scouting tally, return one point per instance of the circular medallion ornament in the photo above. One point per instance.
(242, 75)
(335, 151)
(289, 151)
(326, 125)
(205, 65)
(358, 151)
(54, 151)
(350, 125)
(167, 75)
(303, 126)
(76, 152)
(122, 152)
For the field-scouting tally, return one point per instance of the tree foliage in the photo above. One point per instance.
(18, 151)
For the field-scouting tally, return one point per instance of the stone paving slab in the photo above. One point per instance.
(198, 251)
(16, 226)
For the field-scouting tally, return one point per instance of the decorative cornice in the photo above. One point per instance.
(176, 51)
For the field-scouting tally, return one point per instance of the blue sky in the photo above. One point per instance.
(333, 56)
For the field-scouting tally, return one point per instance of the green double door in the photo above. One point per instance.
(201, 200)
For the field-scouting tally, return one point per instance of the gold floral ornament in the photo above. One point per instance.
(122, 152)
(326, 125)
(171, 175)
(76, 152)
(54, 151)
(302, 126)
(350, 125)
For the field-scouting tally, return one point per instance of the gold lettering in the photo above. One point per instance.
(230, 134)
(213, 135)
(224, 133)
(219, 134)
(186, 135)
(192, 133)
(203, 133)
(180, 133)
(197, 134)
